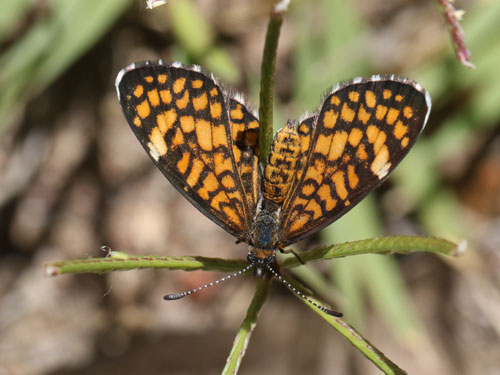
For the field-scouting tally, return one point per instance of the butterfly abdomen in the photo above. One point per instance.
(281, 164)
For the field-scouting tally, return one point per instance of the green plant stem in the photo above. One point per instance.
(242, 338)
(361, 343)
(268, 68)
(382, 245)
(351, 334)
(119, 261)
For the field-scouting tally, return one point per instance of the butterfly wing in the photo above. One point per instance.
(364, 129)
(245, 135)
(181, 117)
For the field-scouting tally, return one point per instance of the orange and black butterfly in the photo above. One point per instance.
(205, 141)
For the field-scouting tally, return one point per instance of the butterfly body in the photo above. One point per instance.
(205, 141)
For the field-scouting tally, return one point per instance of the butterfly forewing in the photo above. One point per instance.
(362, 132)
(181, 117)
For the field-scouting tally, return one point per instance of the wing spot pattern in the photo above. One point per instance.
(219, 136)
(143, 109)
(153, 152)
(166, 96)
(187, 123)
(363, 115)
(325, 194)
(352, 177)
(361, 152)
(215, 110)
(298, 221)
(200, 102)
(232, 215)
(183, 163)
(236, 113)
(197, 84)
(338, 145)
(347, 114)
(139, 90)
(158, 141)
(162, 78)
(228, 182)
(179, 85)
(330, 119)
(315, 172)
(339, 181)
(380, 112)
(380, 165)
(354, 96)
(392, 116)
(379, 142)
(195, 173)
(355, 137)
(210, 184)
(370, 99)
(204, 135)
(408, 112)
(169, 119)
(178, 139)
(308, 189)
(372, 133)
(323, 144)
(400, 130)
(315, 208)
(153, 97)
(221, 197)
(184, 101)
(221, 163)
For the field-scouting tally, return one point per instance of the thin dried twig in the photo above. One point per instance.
(453, 17)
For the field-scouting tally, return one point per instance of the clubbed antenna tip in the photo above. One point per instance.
(174, 296)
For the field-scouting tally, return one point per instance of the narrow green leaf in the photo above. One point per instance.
(353, 336)
(242, 338)
(50, 46)
(363, 345)
(118, 261)
(382, 245)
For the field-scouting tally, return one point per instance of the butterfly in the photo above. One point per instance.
(206, 142)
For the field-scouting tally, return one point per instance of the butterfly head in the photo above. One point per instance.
(261, 260)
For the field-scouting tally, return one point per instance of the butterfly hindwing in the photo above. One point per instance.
(181, 117)
(364, 129)
(245, 135)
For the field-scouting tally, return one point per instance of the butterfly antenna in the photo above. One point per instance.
(302, 295)
(174, 296)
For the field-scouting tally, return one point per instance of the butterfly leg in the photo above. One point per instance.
(283, 251)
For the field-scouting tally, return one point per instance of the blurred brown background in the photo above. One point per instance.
(73, 177)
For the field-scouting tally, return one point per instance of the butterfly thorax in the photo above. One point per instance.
(264, 233)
